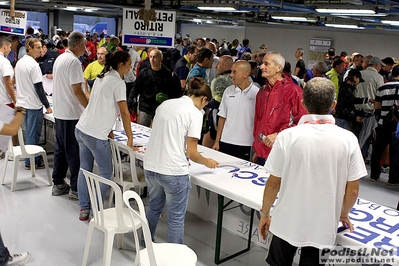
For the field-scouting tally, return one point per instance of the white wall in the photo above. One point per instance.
(287, 38)
(218, 32)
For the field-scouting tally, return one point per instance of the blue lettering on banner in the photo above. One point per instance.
(362, 235)
(386, 245)
(361, 216)
(379, 224)
(227, 167)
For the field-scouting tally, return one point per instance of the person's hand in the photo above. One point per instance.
(359, 119)
(211, 163)
(371, 100)
(346, 222)
(263, 227)
(49, 110)
(134, 148)
(111, 135)
(49, 76)
(269, 140)
(216, 145)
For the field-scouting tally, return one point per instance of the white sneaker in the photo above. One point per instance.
(15, 259)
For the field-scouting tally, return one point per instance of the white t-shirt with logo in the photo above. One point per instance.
(27, 73)
(100, 114)
(238, 107)
(67, 71)
(5, 71)
(174, 121)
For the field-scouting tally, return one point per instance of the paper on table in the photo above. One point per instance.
(202, 170)
(6, 116)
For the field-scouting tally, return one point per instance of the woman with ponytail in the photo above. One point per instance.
(107, 100)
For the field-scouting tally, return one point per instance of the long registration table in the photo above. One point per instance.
(243, 182)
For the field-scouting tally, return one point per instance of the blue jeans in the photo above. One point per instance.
(91, 149)
(4, 254)
(172, 190)
(33, 126)
(66, 152)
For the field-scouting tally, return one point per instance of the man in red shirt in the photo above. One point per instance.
(278, 106)
(90, 49)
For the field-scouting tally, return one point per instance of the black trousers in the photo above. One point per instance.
(383, 138)
(66, 152)
(242, 152)
(282, 253)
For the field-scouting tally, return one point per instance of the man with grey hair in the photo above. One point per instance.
(300, 67)
(319, 69)
(69, 101)
(307, 180)
(372, 81)
(154, 85)
(278, 106)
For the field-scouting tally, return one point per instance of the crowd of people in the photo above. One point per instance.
(222, 95)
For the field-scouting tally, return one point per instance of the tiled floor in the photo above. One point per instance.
(48, 227)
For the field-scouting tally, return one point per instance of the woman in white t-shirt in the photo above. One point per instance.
(107, 100)
(176, 130)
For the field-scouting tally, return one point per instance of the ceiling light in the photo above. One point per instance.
(45, 1)
(4, 3)
(391, 22)
(345, 11)
(73, 8)
(217, 8)
(360, 15)
(342, 26)
(90, 9)
(299, 19)
(197, 20)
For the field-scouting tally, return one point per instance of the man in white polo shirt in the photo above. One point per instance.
(315, 167)
(69, 102)
(7, 93)
(237, 111)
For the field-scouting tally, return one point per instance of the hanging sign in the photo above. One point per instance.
(142, 31)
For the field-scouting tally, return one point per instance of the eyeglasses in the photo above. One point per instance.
(100, 53)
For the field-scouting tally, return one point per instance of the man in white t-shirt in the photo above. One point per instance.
(7, 93)
(315, 167)
(236, 114)
(31, 96)
(69, 102)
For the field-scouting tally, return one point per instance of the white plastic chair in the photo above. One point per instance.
(126, 177)
(22, 152)
(156, 254)
(111, 221)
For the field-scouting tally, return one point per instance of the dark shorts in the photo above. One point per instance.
(282, 253)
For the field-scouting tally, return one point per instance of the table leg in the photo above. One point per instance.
(219, 228)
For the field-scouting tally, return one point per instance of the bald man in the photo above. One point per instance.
(154, 85)
(218, 86)
(236, 114)
(94, 69)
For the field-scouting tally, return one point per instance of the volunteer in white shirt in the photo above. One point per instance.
(69, 102)
(107, 100)
(31, 95)
(176, 130)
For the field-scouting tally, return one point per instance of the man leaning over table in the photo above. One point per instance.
(316, 189)
(69, 102)
(278, 106)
